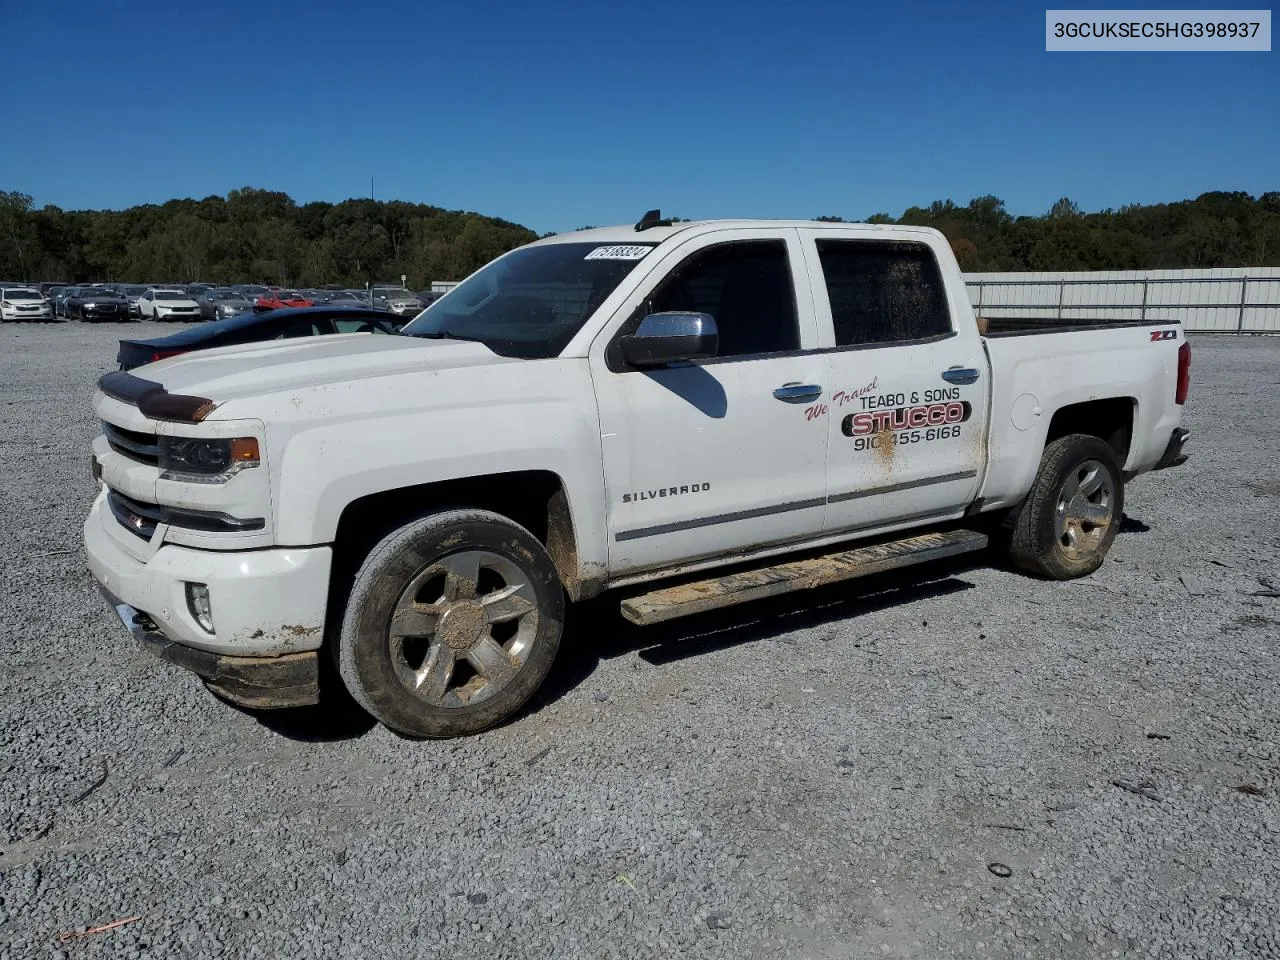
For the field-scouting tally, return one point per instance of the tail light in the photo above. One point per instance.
(165, 354)
(1184, 373)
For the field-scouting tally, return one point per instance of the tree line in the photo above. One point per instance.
(250, 236)
(1217, 229)
(263, 236)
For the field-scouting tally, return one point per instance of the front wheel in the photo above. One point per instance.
(452, 623)
(1069, 520)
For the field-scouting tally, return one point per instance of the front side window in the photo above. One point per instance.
(746, 287)
(883, 291)
(531, 302)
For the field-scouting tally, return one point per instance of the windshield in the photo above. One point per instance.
(343, 298)
(170, 295)
(393, 293)
(531, 302)
(226, 295)
(134, 291)
(16, 294)
(289, 295)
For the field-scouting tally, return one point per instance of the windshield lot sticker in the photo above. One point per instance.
(617, 252)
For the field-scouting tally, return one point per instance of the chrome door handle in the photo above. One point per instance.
(960, 375)
(798, 392)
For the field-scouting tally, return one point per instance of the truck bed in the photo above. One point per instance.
(1023, 326)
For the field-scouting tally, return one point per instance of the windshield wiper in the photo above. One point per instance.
(447, 335)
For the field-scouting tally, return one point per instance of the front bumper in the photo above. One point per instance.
(261, 683)
(265, 603)
(1173, 455)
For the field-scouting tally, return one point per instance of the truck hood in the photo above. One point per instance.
(231, 373)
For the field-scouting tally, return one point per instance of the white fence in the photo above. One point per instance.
(1229, 300)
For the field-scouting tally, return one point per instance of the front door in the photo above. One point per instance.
(712, 457)
(907, 409)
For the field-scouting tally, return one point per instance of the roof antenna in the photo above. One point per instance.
(653, 218)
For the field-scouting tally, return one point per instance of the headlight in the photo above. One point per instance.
(206, 461)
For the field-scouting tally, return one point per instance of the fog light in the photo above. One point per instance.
(198, 604)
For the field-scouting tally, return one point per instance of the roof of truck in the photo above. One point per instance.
(628, 234)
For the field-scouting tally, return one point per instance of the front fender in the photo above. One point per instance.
(325, 464)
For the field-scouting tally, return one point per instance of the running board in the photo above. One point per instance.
(702, 595)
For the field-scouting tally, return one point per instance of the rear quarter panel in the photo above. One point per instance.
(1035, 375)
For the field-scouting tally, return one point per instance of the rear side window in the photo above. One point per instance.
(746, 287)
(356, 325)
(883, 291)
(305, 328)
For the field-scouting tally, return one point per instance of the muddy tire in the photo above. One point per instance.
(452, 623)
(1067, 524)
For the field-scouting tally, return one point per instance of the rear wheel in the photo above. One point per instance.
(1068, 522)
(452, 623)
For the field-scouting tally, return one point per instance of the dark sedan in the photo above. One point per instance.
(254, 328)
(96, 303)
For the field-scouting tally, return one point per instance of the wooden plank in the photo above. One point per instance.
(700, 596)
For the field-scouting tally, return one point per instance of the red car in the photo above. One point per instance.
(276, 298)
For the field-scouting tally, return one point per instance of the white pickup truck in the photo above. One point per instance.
(703, 413)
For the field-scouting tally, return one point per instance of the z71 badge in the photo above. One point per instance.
(1158, 335)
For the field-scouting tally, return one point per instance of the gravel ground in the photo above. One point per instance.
(829, 776)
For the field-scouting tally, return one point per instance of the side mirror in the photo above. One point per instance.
(671, 337)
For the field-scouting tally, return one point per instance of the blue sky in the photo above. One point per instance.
(558, 114)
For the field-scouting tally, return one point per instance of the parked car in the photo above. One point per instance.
(396, 300)
(277, 299)
(95, 303)
(48, 287)
(161, 304)
(250, 291)
(220, 304)
(60, 295)
(344, 298)
(133, 293)
(814, 400)
(24, 303)
(428, 297)
(194, 290)
(252, 328)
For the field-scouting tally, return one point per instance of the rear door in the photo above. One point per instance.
(715, 456)
(906, 405)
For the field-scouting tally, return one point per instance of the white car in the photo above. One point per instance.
(167, 305)
(24, 303)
